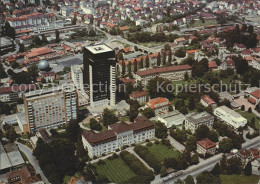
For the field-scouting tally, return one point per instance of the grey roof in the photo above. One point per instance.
(172, 116)
(198, 117)
(4, 160)
(14, 154)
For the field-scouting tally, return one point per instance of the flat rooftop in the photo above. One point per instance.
(5, 41)
(4, 160)
(97, 49)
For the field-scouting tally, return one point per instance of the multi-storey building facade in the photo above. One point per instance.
(77, 76)
(34, 19)
(50, 108)
(140, 96)
(171, 73)
(196, 119)
(206, 146)
(118, 135)
(99, 75)
(230, 117)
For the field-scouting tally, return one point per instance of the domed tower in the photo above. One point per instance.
(43, 65)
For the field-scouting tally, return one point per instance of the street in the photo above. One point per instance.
(33, 161)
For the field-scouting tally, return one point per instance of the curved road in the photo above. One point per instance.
(208, 164)
(28, 152)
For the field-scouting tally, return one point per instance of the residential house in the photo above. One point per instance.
(160, 105)
(206, 146)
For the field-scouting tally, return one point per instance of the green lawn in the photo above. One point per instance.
(199, 23)
(161, 152)
(25, 136)
(125, 118)
(236, 179)
(249, 116)
(115, 170)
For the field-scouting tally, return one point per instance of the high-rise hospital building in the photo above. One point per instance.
(99, 75)
(49, 108)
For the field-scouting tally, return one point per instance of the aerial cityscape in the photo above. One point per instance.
(130, 91)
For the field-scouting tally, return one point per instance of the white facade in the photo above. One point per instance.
(230, 117)
(50, 108)
(115, 138)
(77, 76)
(194, 120)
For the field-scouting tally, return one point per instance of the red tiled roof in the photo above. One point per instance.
(127, 80)
(256, 93)
(208, 100)
(252, 100)
(137, 94)
(212, 64)
(206, 143)
(15, 89)
(164, 70)
(157, 101)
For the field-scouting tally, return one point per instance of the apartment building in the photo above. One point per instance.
(49, 108)
(196, 119)
(118, 135)
(171, 73)
(230, 117)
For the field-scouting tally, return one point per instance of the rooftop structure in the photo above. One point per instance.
(97, 49)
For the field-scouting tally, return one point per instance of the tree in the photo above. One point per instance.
(8, 30)
(129, 67)
(213, 135)
(186, 76)
(94, 125)
(37, 40)
(81, 152)
(33, 72)
(10, 132)
(2, 72)
(57, 34)
(74, 20)
(158, 59)
(179, 181)
(148, 112)
(201, 132)
(223, 164)
(248, 169)
(189, 180)
(141, 63)
(240, 64)
(73, 130)
(249, 110)
(134, 105)
(163, 171)
(225, 145)
(160, 130)
(44, 39)
(123, 68)
(242, 107)
(206, 178)
(164, 59)
(170, 109)
(109, 117)
(21, 48)
(170, 57)
(160, 87)
(147, 62)
(135, 66)
(194, 159)
(191, 104)
(191, 144)
(234, 165)
(216, 170)
(180, 53)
